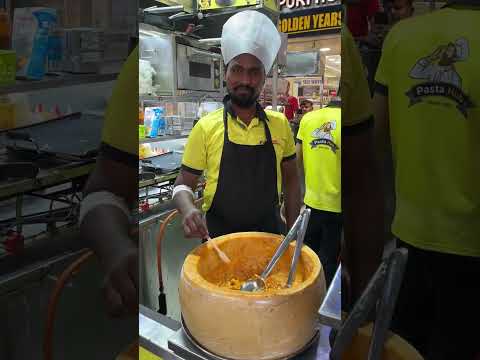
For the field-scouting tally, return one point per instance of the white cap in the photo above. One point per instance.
(253, 33)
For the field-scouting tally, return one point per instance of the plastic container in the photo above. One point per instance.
(7, 114)
(162, 124)
(7, 67)
(154, 121)
(141, 131)
(31, 30)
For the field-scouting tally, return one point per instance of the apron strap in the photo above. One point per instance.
(262, 116)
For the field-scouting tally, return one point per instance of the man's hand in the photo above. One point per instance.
(121, 284)
(194, 225)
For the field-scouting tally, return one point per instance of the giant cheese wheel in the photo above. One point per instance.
(270, 324)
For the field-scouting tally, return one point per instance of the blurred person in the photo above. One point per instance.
(246, 152)
(360, 17)
(306, 106)
(425, 88)
(361, 189)
(289, 103)
(401, 9)
(112, 191)
(319, 162)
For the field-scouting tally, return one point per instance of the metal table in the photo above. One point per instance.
(75, 135)
(331, 309)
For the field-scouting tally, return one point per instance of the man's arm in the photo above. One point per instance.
(301, 171)
(362, 204)
(106, 229)
(291, 190)
(382, 130)
(193, 222)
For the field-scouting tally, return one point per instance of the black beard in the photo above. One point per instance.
(244, 101)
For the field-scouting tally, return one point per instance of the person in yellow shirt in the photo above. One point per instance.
(112, 191)
(427, 102)
(362, 193)
(319, 162)
(247, 153)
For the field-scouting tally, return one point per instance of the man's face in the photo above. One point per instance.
(401, 9)
(306, 107)
(245, 78)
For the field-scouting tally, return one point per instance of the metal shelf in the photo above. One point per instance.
(193, 96)
(164, 138)
(50, 82)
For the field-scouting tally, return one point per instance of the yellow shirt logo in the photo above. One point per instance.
(323, 136)
(443, 78)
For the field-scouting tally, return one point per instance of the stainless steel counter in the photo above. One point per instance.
(331, 309)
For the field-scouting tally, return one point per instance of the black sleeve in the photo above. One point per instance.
(381, 89)
(291, 157)
(191, 170)
(118, 155)
(358, 128)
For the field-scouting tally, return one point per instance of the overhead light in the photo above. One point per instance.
(325, 49)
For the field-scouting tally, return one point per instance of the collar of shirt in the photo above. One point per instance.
(255, 122)
(260, 113)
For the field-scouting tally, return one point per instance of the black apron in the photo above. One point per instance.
(246, 198)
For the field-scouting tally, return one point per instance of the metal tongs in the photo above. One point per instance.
(299, 228)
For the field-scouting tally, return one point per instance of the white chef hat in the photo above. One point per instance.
(253, 33)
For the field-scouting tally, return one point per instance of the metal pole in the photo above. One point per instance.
(274, 86)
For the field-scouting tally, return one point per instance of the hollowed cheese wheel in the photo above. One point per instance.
(272, 324)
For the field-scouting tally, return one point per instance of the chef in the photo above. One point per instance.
(245, 152)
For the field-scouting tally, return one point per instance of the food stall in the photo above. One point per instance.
(192, 302)
(186, 87)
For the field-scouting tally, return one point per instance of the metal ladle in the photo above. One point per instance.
(298, 246)
(258, 283)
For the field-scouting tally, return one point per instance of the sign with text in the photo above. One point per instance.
(301, 4)
(224, 4)
(311, 82)
(312, 21)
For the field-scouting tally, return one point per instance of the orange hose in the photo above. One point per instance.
(161, 234)
(53, 302)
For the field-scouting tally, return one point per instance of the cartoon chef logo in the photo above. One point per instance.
(441, 74)
(323, 136)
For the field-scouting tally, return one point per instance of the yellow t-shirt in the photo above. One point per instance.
(320, 134)
(120, 132)
(354, 90)
(433, 87)
(203, 151)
